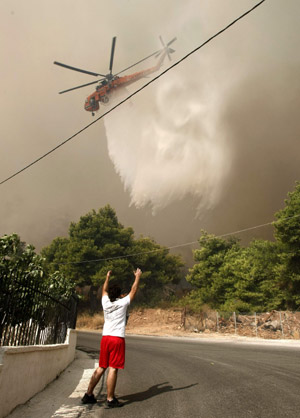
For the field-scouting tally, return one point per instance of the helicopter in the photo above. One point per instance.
(111, 82)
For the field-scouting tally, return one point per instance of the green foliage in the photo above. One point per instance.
(22, 269)
(15, 256)
(205, 274)
(251, 272)
(287, 232)
(263, 276)
(97, 236)
(18, 260)
(287, 228)
(100, 236)
(231, 278)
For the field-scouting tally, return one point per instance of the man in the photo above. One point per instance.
(112, 349)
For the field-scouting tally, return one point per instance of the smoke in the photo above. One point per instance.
(165, 146)
(218, 133)
(261, 123)
(214, 129)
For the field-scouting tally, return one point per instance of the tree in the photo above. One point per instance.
(160, 269)
(232, 278)
(99, 242)
(97, 236)
(287, 233)
(18, 260)
(252, 274)
(23, 277)
(205, 274)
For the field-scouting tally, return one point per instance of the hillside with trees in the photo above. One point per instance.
(260, 277)
(226, 276)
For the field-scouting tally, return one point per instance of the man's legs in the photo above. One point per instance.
(111, 383)
(95, 379)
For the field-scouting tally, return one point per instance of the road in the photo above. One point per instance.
(173, 377)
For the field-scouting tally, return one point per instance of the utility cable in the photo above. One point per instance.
(131, 95)
(177, 246)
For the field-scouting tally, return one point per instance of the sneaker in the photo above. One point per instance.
(88, 398)
(114, 403)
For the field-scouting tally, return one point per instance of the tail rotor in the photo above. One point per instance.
(166, 48)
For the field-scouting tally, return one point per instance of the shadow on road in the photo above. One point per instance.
(151, 392)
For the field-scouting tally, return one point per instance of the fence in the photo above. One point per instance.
(29, 315)
(271, 325)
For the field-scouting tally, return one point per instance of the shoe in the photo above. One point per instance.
(88, 398)
(114, 403)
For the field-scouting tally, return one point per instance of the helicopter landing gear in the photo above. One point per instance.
(93, 114)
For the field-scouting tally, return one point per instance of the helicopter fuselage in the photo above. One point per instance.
(104, 90)
(110, 82)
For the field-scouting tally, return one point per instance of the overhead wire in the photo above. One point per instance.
(131, 95)
(177, 246)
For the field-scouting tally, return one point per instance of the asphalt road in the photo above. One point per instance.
(172, 377)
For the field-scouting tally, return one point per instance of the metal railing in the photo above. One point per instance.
(29, 315)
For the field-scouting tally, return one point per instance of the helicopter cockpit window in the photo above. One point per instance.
(92, 101)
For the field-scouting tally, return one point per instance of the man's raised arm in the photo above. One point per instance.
(135, 285)
(105, 285)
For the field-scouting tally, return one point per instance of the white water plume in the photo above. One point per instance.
(166, 146)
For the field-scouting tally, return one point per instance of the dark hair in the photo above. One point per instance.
(114, 292)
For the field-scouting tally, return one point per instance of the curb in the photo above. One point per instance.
(62, 397)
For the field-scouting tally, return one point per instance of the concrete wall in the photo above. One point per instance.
(26, 370)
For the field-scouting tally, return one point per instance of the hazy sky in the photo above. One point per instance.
(213, 144)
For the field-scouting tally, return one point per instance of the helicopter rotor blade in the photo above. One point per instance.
(78, 69)
(162, 42)
(144, 59)
(112, 53)
(156, 53)
(168, 52)
(173, 40)
(79, 87)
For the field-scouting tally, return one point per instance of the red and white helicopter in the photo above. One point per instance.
(110, 82)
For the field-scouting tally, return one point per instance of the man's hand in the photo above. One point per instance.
(138, 273)
(135, 285)
(108, 274)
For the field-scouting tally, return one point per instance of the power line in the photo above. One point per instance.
(131, 95)
(187, 244)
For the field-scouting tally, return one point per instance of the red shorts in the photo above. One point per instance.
(112, 352)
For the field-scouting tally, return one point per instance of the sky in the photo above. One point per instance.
(212, 144)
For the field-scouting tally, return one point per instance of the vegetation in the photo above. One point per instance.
(287, 233)
(226, 276)
(99, 242)
(22, 268)
(263, 276)
(18, 260)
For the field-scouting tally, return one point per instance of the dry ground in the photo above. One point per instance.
(170, 322)
(141, 321)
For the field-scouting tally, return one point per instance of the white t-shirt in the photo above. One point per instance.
(115, 316)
